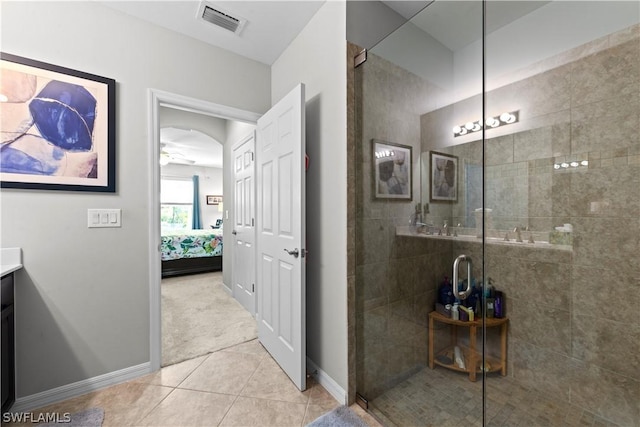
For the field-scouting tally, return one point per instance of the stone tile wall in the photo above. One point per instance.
(393, 281)
(574, 328)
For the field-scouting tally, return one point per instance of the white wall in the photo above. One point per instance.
(82, 301)
(317, 58)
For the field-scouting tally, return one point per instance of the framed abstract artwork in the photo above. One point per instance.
(444, 177)
(58, 127)
(392, 175)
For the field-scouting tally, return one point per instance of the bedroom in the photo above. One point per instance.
(192, 223)
(191, 163)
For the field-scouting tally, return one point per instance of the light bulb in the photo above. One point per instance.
(556, 166)
(585, 163)
(469, 125)
(575, 164)
(491, 121)
(456, 130)
(507, 117)
(565, 165)
(476, 126)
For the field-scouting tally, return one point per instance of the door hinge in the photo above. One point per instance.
(252, 156)
(360, 58)
(362, 401)
(252, 222)
(253, 287)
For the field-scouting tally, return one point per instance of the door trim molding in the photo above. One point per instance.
(156, 99)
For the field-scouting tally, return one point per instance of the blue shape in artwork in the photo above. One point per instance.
(64, 114)
(17, 161)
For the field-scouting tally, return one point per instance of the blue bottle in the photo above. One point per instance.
(445, 294)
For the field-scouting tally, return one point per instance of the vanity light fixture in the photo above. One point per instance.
(492, 122)
(571, 165)
(384, 153)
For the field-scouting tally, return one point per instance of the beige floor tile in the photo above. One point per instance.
(127, 404)
(270, 382)
(173, 375)
(313, 412)
(190, 408)
(320, 397)
(249, 347)
(248, 412)
(223, 372)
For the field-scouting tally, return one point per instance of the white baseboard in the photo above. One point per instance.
(58, 394)
(227, 289)
(327, 382)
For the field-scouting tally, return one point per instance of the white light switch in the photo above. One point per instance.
(101, 218)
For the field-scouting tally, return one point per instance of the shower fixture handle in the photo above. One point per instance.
(465, 293)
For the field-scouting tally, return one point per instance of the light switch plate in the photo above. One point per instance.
(104, 218)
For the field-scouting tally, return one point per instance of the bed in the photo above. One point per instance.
(191, 251)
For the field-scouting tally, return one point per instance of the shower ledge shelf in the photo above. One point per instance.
(407, 232)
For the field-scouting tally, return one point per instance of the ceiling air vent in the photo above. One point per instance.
(221, 18)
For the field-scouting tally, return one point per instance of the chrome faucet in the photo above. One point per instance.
(446, 228)
(518, 235)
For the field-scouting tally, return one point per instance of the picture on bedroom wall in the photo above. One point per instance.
(444, 177)
(57, 127)
(214, 200)
(392, 171)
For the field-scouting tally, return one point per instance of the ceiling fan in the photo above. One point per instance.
(169, 154)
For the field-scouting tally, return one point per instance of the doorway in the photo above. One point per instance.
(158, 100)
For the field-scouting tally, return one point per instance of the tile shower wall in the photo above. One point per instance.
(394, 277)
(574, 323)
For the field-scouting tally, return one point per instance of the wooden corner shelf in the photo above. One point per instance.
(472, 358)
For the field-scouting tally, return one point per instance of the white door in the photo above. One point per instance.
(281, 234)
(244, 224)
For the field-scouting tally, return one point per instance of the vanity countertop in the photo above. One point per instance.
(11, 259)
(407, 231)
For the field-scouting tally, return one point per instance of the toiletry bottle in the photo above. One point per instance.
(445, 294)
(498, 305)
(455, 314)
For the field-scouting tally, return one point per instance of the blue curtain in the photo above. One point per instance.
(196, 224)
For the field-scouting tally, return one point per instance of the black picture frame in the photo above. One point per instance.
(392, 170)
(58, 127)
(443, 177)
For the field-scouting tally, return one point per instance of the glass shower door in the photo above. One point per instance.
(562, 183)
(414, 364)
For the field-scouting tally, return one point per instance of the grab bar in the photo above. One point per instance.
(464, 294)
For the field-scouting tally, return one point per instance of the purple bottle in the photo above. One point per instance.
(498, 305)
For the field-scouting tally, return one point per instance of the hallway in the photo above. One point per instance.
(238, 386)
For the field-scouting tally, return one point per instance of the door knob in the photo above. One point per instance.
(234, 232)
(294, 252)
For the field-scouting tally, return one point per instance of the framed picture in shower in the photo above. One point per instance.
(443, 174)
(393, 175)
(58, 127)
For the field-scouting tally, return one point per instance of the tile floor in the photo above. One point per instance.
(238, 386)
(437, 397)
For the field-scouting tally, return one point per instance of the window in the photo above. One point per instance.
(176, 203)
